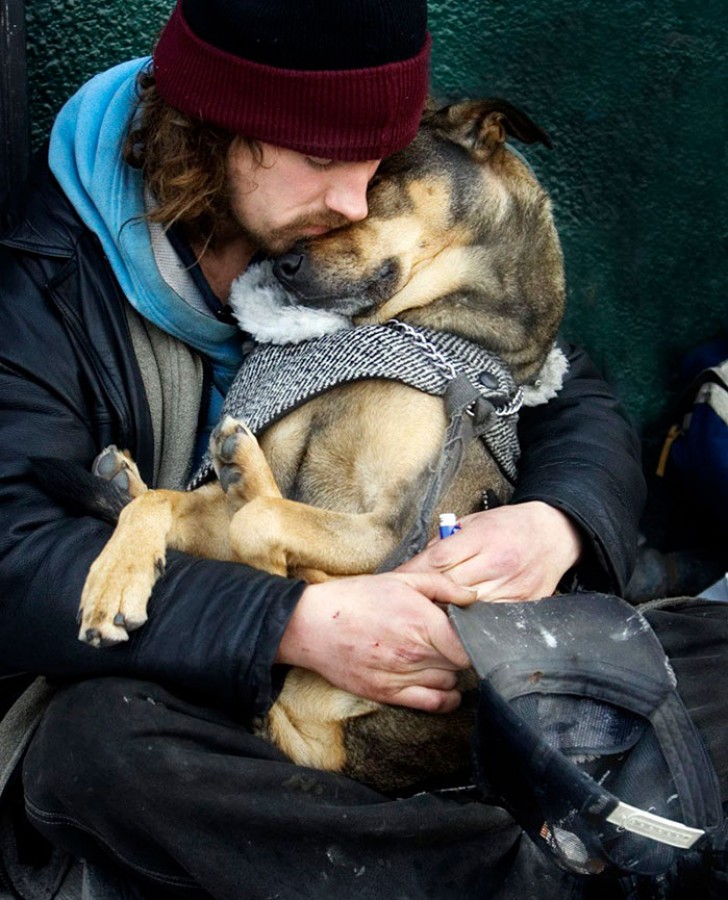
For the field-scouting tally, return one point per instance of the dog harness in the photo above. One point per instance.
(481, 398)
(276, 379)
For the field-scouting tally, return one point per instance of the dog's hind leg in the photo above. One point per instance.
(309, 719)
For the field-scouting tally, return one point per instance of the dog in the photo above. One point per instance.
(459, 240)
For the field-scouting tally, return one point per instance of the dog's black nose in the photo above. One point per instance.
(286, 267)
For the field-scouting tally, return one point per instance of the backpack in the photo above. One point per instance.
(695, 453)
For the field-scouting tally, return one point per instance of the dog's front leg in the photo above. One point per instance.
(283, 537)
(240, 464)
(116, 592)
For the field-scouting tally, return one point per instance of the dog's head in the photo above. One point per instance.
(459, 237)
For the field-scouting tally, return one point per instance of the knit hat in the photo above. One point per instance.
(338, 79)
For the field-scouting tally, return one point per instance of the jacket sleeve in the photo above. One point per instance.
(214, 627)
(581, 455)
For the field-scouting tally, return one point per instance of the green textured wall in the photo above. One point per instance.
(634, 95)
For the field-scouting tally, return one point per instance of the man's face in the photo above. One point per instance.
(289, 196)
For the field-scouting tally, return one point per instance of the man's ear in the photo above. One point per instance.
(483, 125)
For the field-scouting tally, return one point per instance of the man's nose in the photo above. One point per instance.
(347, 192)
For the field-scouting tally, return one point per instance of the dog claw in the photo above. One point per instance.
(120, 620)
(159, 567)
(95, 637)
(227, 448)
(229, 475)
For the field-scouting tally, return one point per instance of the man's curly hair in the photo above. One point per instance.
(183, 161)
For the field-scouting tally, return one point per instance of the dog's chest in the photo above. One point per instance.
(357, 448)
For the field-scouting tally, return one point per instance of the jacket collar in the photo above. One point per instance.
(39, 219)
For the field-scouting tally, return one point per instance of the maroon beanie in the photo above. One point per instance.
(339, 79)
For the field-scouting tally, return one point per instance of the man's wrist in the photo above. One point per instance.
(295, 645)
(564, 532)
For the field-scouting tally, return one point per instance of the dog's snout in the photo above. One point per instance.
(286, 267)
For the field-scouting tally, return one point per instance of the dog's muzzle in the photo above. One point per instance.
(291, 270)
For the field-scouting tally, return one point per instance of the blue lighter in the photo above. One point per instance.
(448, 524)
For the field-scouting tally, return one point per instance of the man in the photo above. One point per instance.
(258, 123)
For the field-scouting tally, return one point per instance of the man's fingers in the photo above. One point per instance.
(441, 634)
(438, 587)
(438, 679)
(445, 556)
(426, 699)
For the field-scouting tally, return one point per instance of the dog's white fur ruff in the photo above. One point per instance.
(271, 315)
(548, 382)
(267, 312)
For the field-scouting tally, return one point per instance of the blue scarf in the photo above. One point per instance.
(86, 158)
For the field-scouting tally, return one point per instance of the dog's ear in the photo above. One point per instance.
(483, 125)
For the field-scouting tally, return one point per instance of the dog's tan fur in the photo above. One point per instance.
(460, 238)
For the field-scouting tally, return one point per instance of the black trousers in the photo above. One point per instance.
(193, 805)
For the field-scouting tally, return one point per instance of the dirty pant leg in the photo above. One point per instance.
(192, 803)
(186, 798)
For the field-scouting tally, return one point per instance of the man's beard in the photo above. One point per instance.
(280, 240)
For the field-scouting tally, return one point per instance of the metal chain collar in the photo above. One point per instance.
(440, 361)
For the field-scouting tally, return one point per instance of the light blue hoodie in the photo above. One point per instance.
(86, 158)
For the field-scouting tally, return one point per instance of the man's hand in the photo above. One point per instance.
(517, 552)
(381, 637)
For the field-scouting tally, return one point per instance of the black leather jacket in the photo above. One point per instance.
(69, 385)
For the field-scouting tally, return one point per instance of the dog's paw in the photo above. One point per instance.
(240, 464)
(120, 581)
(118, 468)
(228, 444)
(114, 600)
